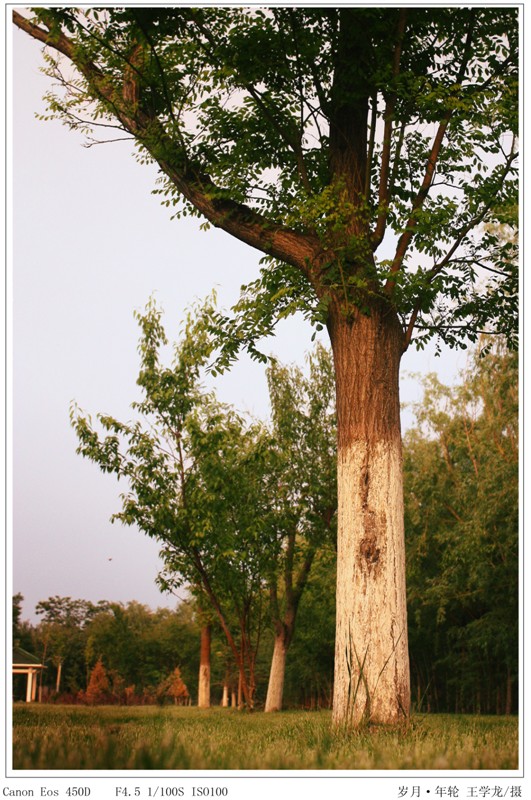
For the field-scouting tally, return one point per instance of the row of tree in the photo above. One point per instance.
(245, 514)
(239, 507)
(107, 652)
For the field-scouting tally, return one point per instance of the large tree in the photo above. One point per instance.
(361, 150)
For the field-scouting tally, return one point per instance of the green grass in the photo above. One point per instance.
(143, 738)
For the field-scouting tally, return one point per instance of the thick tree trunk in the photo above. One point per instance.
(203, 699)
(371, 681)
(275, 688)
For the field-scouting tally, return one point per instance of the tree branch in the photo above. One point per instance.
(370, 150)
(57, 41)
(237, 219)
(418, 202)
(470, 225)
(384, 186)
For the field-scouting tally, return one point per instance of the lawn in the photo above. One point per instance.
(174, 738)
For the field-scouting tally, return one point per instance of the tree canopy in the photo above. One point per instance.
(364, 130)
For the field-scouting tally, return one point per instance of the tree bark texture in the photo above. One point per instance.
(371, 682)
(275, 688)
(203, 699)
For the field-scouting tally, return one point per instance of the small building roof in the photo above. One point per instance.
(21, 658)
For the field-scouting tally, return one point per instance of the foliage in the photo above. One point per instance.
(68, 612)
(461, 468)
(303, 494)
(173, 687)
(60, 639)
(254, 145)
(98, 688)
(303, 434)
(310, 667)
(141, 645)
(22, 632)
(195, 484)
(173, 738)
(18, 599)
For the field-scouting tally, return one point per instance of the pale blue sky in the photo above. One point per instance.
(91, 244)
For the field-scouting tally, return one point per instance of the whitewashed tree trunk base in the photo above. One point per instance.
(203, 699)
(371, 660)
(275, 687)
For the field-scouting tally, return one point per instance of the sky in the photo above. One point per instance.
(90, 244)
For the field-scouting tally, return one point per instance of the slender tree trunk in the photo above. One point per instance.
(275, 688)
(371, 660)
(240, 693)
(509, 693)
(225, 697)
(285, 627)
(58, 678)
(238, 653)
(203, 700)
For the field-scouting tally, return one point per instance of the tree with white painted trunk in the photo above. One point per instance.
(194, 472)
(304, 494)
(203, 693)
(363, 151)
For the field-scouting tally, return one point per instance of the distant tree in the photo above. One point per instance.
(62, 635)
(18, 599)
(22, 631)
(225, 515)
(174, 637)
(310, 667)
(118, 635)
(98, 689)
(140, 644)
(175, 688)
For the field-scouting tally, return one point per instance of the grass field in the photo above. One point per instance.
(143, 738)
